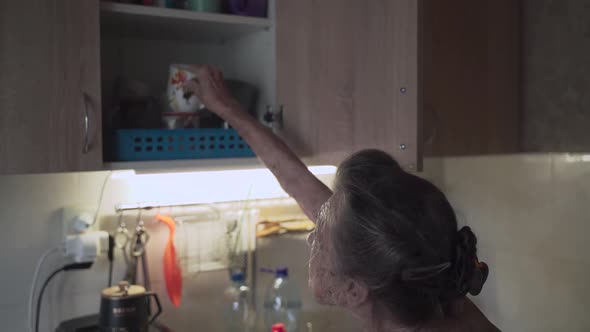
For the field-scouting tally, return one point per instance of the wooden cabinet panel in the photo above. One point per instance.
(347, 74)
(49, 77)
(471, 77)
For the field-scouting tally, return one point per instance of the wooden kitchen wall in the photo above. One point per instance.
(471, 77)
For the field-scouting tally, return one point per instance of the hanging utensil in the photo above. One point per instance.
(121, 236)
(136, 251)
(131, 273)
(172, 271)
(139, 250)
(123, 241)
(140, 239)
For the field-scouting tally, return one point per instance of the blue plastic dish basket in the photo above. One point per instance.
(165, 144)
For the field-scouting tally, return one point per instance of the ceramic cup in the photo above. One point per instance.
(257, 8)
(211, 6)
(177, 99)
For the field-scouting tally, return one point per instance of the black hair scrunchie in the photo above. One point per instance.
(470, 273)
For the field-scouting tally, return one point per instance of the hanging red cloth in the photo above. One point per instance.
(172, 271)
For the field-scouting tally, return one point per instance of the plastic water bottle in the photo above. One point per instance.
(282, 304)
(239, 313)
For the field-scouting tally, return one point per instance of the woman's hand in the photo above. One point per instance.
(209, 86)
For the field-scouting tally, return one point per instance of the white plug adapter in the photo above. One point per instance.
(84, 248)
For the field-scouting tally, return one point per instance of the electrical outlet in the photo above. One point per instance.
(77, 219)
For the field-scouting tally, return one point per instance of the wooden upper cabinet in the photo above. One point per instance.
(348, 77)
(49, 86)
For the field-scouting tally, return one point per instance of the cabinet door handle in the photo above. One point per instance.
(274, 116)
(86, 146)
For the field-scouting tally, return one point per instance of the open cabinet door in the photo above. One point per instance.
(49, 86)
(348, 77)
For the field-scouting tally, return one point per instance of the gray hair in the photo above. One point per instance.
(388, 221)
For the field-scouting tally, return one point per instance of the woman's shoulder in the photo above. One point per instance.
(470, 318)
(464, 316)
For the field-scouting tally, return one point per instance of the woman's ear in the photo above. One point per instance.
(356, 293)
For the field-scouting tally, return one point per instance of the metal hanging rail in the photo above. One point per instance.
(156, 205)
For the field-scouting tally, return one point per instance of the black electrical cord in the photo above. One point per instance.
(110, 282)
(76, 266)
(111, 257)
(40, 298)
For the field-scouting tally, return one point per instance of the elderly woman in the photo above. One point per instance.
(386, 245)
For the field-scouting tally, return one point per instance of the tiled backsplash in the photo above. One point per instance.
(530, 212)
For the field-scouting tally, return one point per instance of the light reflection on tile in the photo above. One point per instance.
(531, 214)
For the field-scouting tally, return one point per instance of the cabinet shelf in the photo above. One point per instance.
(145, 22)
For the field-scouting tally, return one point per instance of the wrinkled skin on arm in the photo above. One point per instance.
(309, 192)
